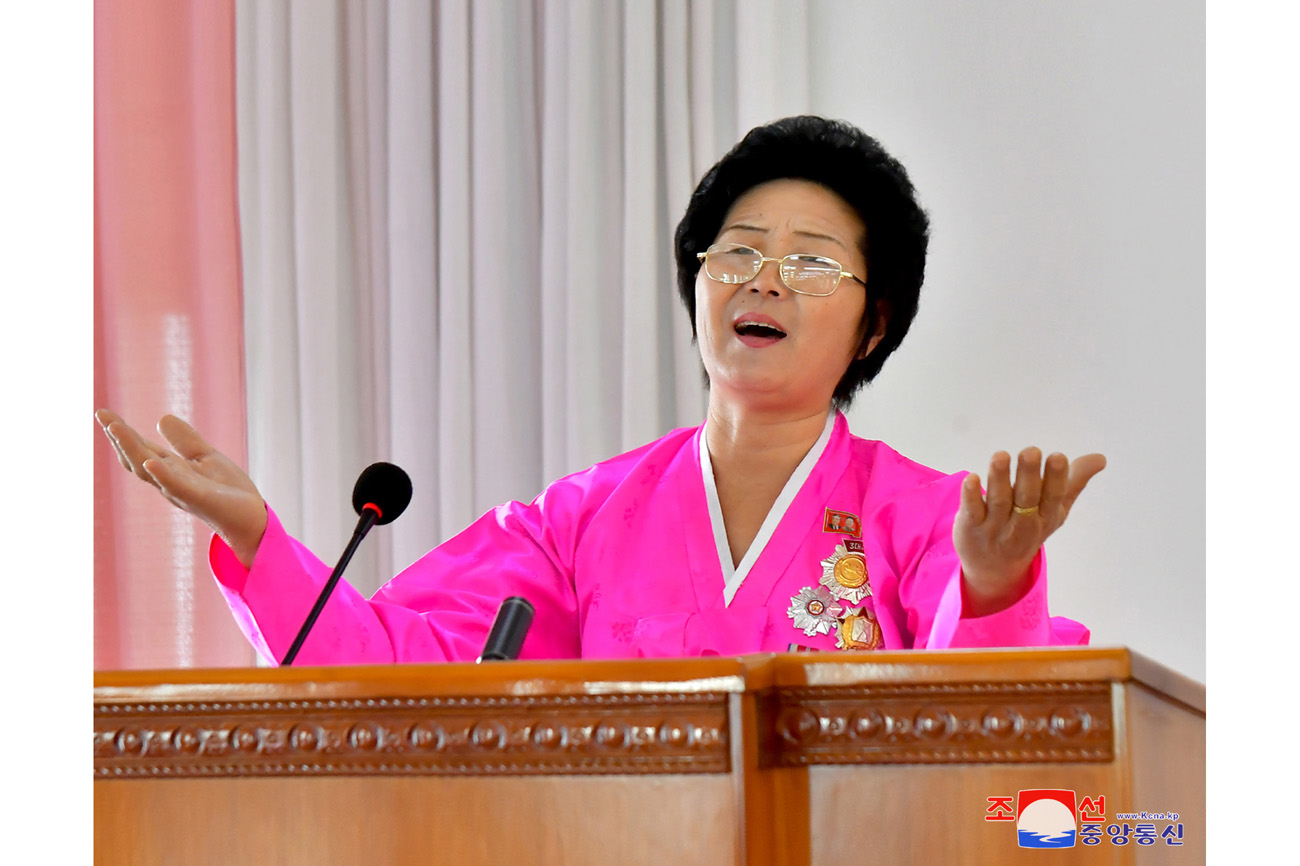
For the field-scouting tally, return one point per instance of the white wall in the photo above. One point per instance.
(1060, 151)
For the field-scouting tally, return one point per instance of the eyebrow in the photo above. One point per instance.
(806, 234)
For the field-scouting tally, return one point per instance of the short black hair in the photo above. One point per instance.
(854, 166)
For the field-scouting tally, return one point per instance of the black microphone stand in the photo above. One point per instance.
(369, 516)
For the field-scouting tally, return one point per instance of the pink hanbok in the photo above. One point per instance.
(629, 559)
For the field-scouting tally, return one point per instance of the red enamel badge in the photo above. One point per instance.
(842, 522)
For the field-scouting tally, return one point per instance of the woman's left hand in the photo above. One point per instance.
(998, 536)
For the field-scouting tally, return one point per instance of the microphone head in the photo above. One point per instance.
(508, 630)
(384, 486)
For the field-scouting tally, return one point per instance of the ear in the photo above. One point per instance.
(883, 311)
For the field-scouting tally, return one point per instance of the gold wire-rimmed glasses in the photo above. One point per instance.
(805, 274)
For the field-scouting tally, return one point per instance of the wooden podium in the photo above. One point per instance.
(881, 758)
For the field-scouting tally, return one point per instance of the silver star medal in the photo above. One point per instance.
(814, 610)
(844, 573)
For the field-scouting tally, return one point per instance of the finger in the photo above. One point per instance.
(137, 448)
(973, 510)
(1029, 481)
(117, 450)
(999, 489)
(1052, 503)
(133, 448)
(184, 438)
(1081, 472)
(106, 417)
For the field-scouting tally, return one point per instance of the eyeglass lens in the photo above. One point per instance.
(811, 275)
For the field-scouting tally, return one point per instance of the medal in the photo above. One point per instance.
(844, 572)
(841, 602)
(858, 630)
(814, 610)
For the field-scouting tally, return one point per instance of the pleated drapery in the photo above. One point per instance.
(452, 226)
(167, 315)
(457, 229)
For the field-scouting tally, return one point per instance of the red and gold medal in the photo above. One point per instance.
(858, 630)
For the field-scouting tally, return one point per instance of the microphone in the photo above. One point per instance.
(380, 495)
(508, 630)
(383, 489)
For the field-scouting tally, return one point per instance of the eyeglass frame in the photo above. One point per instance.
(762, 260)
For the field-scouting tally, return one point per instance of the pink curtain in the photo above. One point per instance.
(168, 319)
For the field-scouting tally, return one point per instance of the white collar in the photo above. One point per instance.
(734, 576)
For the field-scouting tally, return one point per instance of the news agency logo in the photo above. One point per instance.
(1048, 817)
(1045, 818)
(1058, 818)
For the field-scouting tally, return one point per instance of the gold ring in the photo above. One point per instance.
(1023, 511)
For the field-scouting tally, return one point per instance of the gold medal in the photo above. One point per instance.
(844, 572)
(851, 571)
(858, 630)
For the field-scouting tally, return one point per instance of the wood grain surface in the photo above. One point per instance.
(798, 759)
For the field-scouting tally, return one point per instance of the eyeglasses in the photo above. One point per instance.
(805, 274)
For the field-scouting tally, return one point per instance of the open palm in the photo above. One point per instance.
(998, 536)
(194, 477)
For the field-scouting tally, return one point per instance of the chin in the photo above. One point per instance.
(754, 390)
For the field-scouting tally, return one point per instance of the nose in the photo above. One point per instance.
(768, 279)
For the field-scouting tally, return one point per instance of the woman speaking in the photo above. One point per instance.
(770, 527)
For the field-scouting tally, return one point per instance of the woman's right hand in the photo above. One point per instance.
(195, 477)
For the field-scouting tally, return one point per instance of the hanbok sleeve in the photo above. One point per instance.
(440, 608)
(913, 539)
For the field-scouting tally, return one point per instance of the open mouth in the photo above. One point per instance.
(762, 330)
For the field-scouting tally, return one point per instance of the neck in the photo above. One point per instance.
(754, 453)
(737, 435)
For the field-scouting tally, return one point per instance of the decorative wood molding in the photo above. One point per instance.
(591, 734)
(579, 717)
(949, 723)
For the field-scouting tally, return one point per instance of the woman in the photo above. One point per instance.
(800, 260)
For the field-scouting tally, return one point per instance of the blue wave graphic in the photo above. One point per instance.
(1063, 839)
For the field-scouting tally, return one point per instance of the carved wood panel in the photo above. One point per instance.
(659, 733)
(938, 724)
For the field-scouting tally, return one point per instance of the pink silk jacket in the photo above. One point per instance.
(629, 559)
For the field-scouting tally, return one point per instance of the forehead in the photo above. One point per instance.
(798, 206)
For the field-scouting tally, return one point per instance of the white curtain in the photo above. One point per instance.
(457, 226)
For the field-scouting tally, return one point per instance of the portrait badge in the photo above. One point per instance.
(842, 522)
(844, 572)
